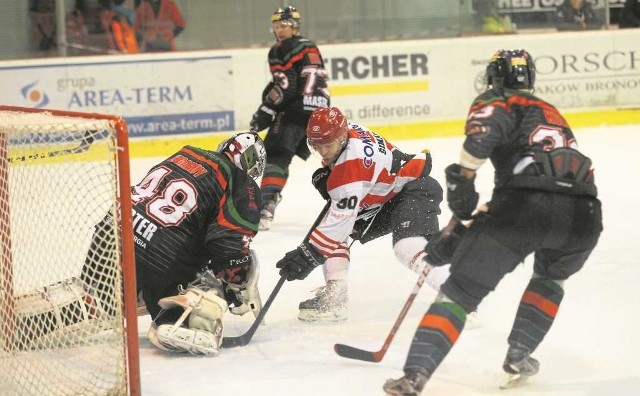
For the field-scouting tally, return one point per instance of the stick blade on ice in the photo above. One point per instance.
(350, 352)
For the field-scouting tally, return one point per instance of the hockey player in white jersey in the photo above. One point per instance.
(375, 189)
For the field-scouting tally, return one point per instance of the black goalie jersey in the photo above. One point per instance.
(193, 207)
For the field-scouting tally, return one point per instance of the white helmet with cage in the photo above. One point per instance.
(247, 151)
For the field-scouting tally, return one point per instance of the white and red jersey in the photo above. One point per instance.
(367, 174)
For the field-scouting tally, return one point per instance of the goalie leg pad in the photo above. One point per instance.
(181, 339)
(199, 330)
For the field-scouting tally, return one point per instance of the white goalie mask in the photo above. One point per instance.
(247, 151)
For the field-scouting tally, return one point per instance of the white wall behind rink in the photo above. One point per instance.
(378, 83)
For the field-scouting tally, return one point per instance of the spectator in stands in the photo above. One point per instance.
(630, 17)
(97, 16)
(577, 15)
(123, 34)
(42, 17)
(490, 20)
(77, 33)
(159, 22)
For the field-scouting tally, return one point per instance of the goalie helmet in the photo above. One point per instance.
(512, 69)
(247, 152)
(287, 16)
(327, 125)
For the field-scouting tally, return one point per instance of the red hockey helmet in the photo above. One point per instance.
(326, 126)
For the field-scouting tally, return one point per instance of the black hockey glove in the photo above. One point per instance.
(299, 263)
(262, 118)
(319, 181)
(461, 193)
(441, 246)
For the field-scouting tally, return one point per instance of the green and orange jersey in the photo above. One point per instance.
(299, 74)
(194, 207)
(506, 125)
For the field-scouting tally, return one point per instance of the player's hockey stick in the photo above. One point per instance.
(350, 352)
(85, 143)
(244, 339)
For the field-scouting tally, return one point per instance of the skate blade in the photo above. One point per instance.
(265, 224)
(328, 317)
(512, 380)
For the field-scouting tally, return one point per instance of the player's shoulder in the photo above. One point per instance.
(196, 156)
(295, 45)
(305, 41)
(526, 99)
(490, 96)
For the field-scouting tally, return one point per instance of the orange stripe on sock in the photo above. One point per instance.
(273, 181)
(540, 302)
(441, 323)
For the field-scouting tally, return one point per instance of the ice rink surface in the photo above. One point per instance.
(592, 349)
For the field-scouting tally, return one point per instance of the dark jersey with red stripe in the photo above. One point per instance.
(299, 76)
(509, 126)
(193, 207)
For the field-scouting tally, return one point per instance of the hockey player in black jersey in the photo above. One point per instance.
(543, 203)
(194, 216)
(298, 87)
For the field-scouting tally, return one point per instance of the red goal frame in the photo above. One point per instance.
(130, 324)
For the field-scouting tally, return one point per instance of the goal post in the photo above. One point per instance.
(65, 329)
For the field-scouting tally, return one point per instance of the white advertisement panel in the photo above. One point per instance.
(376, 84)
(156, 95)
(404, 82)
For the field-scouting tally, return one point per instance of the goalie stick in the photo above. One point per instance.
(244, 339)
(350, 352)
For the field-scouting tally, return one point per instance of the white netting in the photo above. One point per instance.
(62, 330)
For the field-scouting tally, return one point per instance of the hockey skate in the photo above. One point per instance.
(268, 211)
(518, 366)
(328, 305)
(410, 385)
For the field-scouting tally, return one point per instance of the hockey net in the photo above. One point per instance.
(63, 333)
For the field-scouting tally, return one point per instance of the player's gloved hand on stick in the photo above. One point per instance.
(319, 181)
(262, 118)
(461, 192)
(443, 244)
(299, 263)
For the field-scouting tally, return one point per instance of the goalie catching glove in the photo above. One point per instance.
(298, 263)
(239, 276)
(245, 296)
